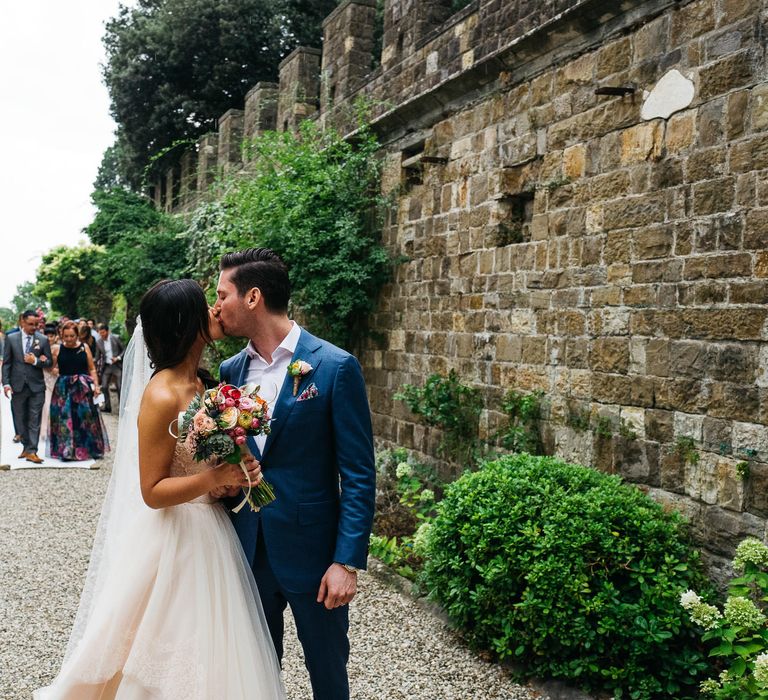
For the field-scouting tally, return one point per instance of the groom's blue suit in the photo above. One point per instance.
(319, 459)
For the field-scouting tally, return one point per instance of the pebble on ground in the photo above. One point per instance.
(47, 520)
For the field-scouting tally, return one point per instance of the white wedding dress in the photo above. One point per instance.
(170, 610)
(178, 615)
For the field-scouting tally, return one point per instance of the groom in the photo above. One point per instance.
(307, 546)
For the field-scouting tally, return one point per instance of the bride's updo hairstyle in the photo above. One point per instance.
(174, 314)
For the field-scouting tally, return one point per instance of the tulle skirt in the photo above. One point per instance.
(178, 617)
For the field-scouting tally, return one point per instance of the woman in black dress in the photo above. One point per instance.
(76, 430)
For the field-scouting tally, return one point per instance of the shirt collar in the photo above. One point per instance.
(288, 344)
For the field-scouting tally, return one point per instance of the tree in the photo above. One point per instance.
(313, 198)
(174, 66)
(27, 297)
(111, 169)
(71, 279)
(141, 245)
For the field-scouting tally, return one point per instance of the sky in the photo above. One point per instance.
(54, 127)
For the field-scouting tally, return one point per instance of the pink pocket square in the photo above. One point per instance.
(309, 393)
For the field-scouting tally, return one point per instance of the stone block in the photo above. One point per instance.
(643, 142)
(727, 74)
(713, 196)
(750, 438)
(610, 355)
(659, 425)
(701, 481)
(692, 20)
(681, 131)
(574, 161)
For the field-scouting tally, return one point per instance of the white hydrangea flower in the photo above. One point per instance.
(689, 599)
(761, 669)
(427, 496)
(403, 470)
(743, 612)
(751, 551)
(420, 538)
(706, 616)
(709, 687)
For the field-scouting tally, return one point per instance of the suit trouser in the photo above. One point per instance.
(114, 374)
(27, 410)
(322, 632)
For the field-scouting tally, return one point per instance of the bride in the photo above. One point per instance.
(170, 608)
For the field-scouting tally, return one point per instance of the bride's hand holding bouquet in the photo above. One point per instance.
(216, 425)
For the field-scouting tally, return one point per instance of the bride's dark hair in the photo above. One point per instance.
(174, 314)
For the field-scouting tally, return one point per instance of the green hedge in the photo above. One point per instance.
(570, 573)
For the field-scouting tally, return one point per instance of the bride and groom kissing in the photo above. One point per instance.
(182, 598)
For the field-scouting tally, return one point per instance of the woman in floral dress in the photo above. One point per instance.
(76, 430)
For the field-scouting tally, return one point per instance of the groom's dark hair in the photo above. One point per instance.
(262, 268)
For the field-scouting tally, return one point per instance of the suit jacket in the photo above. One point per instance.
(117, 351)
(319, 459)
(18, 373)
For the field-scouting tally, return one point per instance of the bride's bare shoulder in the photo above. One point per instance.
(160, 395)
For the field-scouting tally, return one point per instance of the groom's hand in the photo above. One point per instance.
(338, 587)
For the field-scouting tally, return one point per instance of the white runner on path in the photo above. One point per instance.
(10, 450)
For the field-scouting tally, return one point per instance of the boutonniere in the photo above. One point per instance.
(297, 370)
(36, 344)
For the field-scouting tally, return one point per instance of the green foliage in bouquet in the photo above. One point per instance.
(738, 634)
(570, 573)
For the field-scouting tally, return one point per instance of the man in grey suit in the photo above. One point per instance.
(26, 353)
(109, 353)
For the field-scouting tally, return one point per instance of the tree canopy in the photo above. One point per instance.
(70, 278)
(142, 245)
(174, 66)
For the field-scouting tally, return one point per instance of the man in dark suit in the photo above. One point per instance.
(26, 353)
(306, 547)
(109, 361)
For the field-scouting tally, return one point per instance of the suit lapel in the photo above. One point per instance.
(305, 350)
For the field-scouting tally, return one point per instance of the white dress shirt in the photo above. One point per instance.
(271, 375)
(108, 351)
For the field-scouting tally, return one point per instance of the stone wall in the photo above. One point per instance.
(610, 250)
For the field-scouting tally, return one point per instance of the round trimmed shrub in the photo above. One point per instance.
(570, 573)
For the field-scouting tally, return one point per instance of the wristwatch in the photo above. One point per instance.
(349, 567)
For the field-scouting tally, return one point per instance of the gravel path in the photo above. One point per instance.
(47, 518)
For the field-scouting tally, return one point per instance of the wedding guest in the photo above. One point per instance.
(16, 435)
(49, 375)
(92, 325)
(26, 354)
(84, 335)
(110, 352)
(76, 431)
(2, 344)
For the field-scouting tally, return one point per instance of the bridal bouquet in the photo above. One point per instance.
(216, 425)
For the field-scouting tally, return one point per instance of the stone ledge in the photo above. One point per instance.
(583, 27)
(343, 5)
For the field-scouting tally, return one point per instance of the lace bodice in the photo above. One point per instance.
(184, 464)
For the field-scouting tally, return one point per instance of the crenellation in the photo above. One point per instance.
(230, 146)
(260, 113)
(188, 178)
(299, 96)
(207, 161)
(348, 37)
